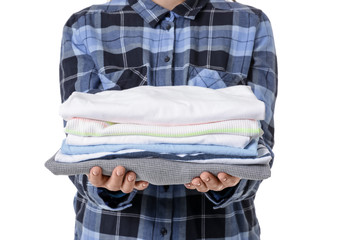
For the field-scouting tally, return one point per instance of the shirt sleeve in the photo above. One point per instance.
(263, 79)
(78, 72)
(115, 201)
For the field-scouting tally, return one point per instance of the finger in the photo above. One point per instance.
(211, 181)
(141, 185)
(199, 185)
(128, 182)
(116, 179)
(228, 180)
(96, 178)
(189, 186)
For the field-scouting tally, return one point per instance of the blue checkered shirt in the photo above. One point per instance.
(128, 43)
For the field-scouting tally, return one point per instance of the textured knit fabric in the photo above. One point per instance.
(90, 127)
(152, 105)
(209, 43)
(174, 172)
(217, 139)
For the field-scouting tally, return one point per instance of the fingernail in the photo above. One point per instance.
(130, 178)
(207, 179)
(119, 172)
(95, 172)
(224, 179)
(144, 184)
(197, 183)
(187, 184)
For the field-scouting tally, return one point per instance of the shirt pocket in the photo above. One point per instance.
(120, 79)
(209, 78)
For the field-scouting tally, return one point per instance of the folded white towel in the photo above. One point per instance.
(166, 105)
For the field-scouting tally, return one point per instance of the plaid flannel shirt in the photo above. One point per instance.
(210, 43)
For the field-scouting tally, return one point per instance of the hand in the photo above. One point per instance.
(119, 180)
(208, 181)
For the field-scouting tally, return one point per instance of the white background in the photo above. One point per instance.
(304, 198)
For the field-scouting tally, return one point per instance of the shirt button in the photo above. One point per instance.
(164, 231)
(167, 59)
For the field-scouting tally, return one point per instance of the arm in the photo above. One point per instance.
(78, 72)
(262, 77)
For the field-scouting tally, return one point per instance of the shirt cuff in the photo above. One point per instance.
(245, 189)
(92, 195)
(112, 202)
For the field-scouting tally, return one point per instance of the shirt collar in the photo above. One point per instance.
(153, 13)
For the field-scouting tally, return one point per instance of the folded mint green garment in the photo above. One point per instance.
(95, 128)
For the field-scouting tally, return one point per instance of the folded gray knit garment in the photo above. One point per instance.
(159, 171)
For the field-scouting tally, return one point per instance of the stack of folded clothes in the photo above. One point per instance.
(166, 135)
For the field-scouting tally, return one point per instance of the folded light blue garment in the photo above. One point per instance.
(263, 157)
(249, 151)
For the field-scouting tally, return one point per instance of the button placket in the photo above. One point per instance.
(163, 228)
(163, 77)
